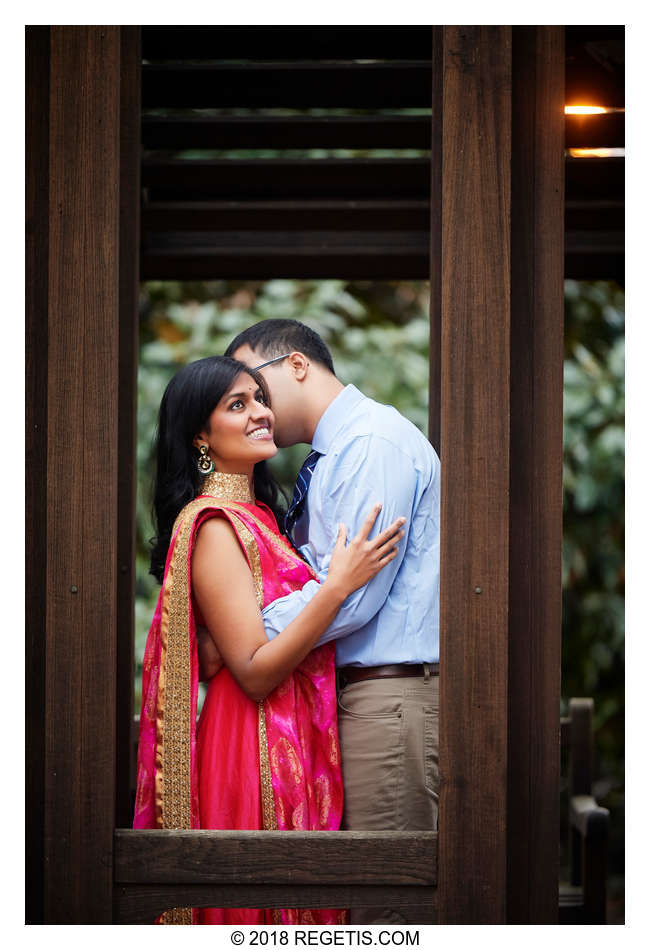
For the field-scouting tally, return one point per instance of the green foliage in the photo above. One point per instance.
(593, 555)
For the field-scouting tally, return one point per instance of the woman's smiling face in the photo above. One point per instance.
(239, 431)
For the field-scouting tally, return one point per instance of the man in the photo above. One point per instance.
(387, 633)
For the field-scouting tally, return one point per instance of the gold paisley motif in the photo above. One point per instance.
(333, 746)
(284, 750)
(324, 799)
(247, 537)
(298, 817)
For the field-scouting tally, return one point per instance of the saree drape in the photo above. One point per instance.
(247, 765)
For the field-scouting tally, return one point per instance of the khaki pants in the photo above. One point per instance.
(388, 730)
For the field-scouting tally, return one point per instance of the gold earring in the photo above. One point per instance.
(205, 464)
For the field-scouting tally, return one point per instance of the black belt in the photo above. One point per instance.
(355, 674)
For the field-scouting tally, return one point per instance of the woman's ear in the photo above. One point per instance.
(199, 440)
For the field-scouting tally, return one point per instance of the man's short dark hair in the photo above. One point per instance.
(272, 338)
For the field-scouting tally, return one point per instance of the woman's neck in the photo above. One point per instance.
(229, 486)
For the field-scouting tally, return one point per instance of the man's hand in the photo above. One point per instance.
(210, 661)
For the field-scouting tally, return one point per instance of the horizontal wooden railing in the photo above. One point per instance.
(157, 870)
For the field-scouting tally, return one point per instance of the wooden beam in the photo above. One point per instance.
(82, 439)
(129, 293)
(435, 244)
(37, 81)
(298, 85)
(264, 262)
(475, 343)
(142, 903)
(502, 321)
(362, 262)
(338, 215)
(586, 179)
(278, 857)
(535, 544)
(157, 870)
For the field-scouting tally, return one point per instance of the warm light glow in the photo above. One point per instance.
(584, 110)
(597, 152)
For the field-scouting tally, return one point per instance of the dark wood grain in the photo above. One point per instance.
(280, 857)
(536, 359)
(286, 215)
(297, 259)
(582, 746)
(383, 85)
(82, 443)
(435, 242)
(37, 85)
(129, 263)
(475, 475)
(142, 903)
(592, 179)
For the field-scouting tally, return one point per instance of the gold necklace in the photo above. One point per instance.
(227, 487)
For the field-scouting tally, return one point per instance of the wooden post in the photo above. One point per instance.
(130, 158)
(82, 82)
(500, 276)
(536, 378)
(37, 82)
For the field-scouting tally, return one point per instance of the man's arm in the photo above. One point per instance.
(370, 469)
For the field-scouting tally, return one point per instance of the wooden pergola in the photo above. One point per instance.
(487, 220)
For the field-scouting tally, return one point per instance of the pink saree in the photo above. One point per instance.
(273, 765)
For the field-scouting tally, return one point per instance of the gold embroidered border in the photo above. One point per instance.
(269, 817)
(178, 915)
(173, 753)
(277, 541)
(173, 740)
(173, 737)
(247, 538)
(175, 700)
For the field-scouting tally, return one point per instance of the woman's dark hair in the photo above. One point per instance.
(187, 404)
(274, 337)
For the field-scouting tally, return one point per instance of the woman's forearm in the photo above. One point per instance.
(274, 660)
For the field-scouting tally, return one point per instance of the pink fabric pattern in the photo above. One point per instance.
(302, 749)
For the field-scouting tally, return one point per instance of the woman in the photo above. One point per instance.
(265, 755)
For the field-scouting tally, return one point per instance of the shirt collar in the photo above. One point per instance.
(335, 417)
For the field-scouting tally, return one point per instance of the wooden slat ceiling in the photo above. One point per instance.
(239, 126)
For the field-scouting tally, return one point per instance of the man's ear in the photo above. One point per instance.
(299, 365)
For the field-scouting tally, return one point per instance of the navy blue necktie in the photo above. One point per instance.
(300, 490)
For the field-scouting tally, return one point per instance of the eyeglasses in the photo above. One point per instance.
(276, 359)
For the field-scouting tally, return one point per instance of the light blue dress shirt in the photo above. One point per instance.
(371, 453)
